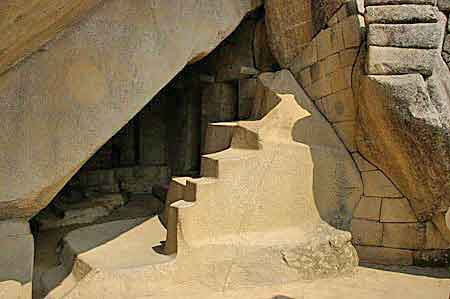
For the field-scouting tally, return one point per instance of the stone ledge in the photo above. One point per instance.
(401, 14)
(397, 2)
(366, 232)
(398, 61)
(14, 228)
(424, 36)
(385, 256)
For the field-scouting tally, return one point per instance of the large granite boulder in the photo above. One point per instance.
(62, 103)
(404, 124)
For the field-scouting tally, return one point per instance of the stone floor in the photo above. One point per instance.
(47, 241)
(365, 284)
(369, 281)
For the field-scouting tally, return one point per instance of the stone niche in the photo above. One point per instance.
(165, 138)
(128, 177)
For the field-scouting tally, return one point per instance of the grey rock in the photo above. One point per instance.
(399, 118)
(444, 5)
(397, 61)
(393, 2)
(400, 14)
(405, 35)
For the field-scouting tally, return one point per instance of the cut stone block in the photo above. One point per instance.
(391, 61)
(427, 36)
(368, 208)
(14, 228)
(304, 77)
(247, 92)
(432, 258)
(219, 102)
(367, 232)
(402, 235)
(16, 259)
(363, 164)
(12, 289)
(377, 184)
(396, 14)
(321, 88)
(353, 29)
(385, 256)
(440, 222)
(396, 2)
(324, 44)
(397, 210)
(347, 57)
(264, 60)
(307, 57)
(434, 239)
(339, 106)
(346, 131)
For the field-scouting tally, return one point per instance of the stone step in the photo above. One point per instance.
(109, 246)
(401, 14)
(397, 2)
(426, 36)
(221, 136)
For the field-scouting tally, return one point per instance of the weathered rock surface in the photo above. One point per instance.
(396, 61)
(61, 104)
(289, 28)
(396, 14)
(404, 131)
(25, 26)
(444, 5)
(16, 259)
(405, 35)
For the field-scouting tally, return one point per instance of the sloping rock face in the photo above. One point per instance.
(60, 105)
(404, 117)
(405, 132)
(26, 25)
(376, 73)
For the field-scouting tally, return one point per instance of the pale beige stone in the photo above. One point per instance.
(397, 210)
(12, 289)
(402, 235)
(377, 184)
(366, 232)
(28, 25)
(232, 213)
(92, 81)
(385, 256)
(368, 208)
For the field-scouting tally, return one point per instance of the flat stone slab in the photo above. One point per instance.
(396, 2)
(118, 244)
(400, 14)
(426, 36)
(398, 61)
